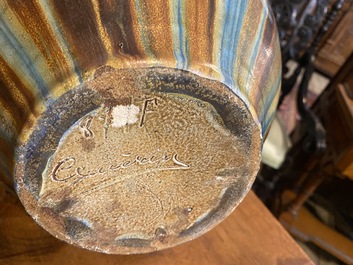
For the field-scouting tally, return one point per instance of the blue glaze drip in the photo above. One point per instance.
(76, 68)
(8, 36)
(182, 40)
(234, 16)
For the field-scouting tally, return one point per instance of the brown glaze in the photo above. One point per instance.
(200, 29)
(16, 99)
(117, 18)
(33, 20)
(79, 24)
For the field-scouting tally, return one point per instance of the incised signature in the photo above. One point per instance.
(67, 168)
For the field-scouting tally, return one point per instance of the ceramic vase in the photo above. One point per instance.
(133, 126)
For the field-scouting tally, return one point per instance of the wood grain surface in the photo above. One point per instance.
(251, 235)
(345, 161)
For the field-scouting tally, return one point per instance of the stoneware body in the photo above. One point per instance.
(130, 126)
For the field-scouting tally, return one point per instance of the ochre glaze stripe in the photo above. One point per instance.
(102, 31)
(15, 83)
(8, 131)
(139, 9)
(11, 105)
(16, 98)
(199, 30)
(217, 38)
(14, 52)
(243, 70)
(38, 29)
(76, 75)
(210, 27)
(156, 18)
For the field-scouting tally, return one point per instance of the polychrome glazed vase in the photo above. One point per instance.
(130, 126)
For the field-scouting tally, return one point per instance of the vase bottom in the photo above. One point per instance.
(138, 160)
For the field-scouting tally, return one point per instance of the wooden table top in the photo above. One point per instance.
(250, 235)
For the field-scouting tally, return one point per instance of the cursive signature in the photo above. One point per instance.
(67, 168)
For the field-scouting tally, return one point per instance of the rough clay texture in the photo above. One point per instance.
(136, 161)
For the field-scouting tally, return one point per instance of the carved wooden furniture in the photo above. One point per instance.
(335, 109)
(303, 26)
(298, 22)
(251, 235)
(337, 46)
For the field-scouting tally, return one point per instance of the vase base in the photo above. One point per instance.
(140, 160)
